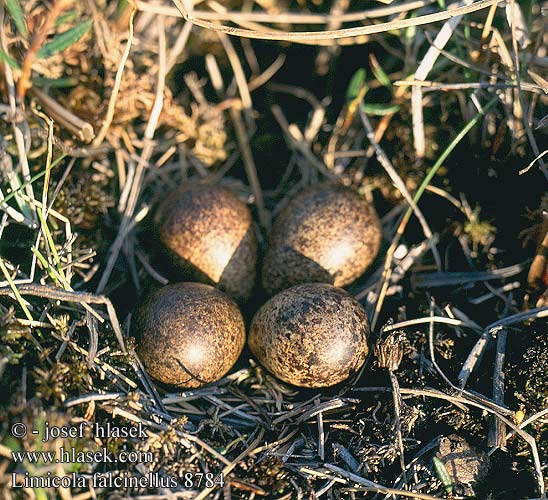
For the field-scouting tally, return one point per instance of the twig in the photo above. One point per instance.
(429, 280)
(432, 349)
(249, 164)
(241, 81)
(178, 46)
(321, 435)
(431, 86)
(75, 125)
(396, 397)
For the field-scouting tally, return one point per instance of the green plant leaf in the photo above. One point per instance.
(57, 83)
(4, 57)
(40, 494)
(121, 7)
(443, 475)
(380, 109)
(65, 40)
(527, 7)
(11, 443)
(16, 13)
(380, 74)
(66, 18)
(34, 178)
(357, 82)
(412, 30)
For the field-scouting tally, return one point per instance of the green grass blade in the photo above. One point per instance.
(356, 84)
(439, 162)
(12, 285)
(380, 109)
(443, 475)
(55, 83)
(65, 40)
(379, 73)
(45, 265)
(66, 18)
(50, 242)
(10, 61)
(33, 179)
(16, 13)
(121, 7)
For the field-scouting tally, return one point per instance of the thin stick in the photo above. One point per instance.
(431, 346)
(240, 78)
(249, 164)
(178, 46)
(75, 125)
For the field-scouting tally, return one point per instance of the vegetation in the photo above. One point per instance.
(436, 112)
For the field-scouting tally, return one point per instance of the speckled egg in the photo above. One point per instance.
(326, 234)
(188, 334)
(209, 234)
(310, 335)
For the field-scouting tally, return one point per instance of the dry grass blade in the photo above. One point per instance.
(78, 297)
(311, 36)
(289, 18)
(115, 90)
(136, 185)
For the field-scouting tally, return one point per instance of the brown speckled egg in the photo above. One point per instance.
(310, 335)
(188, 334)
(209, 234)
(326, 234)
